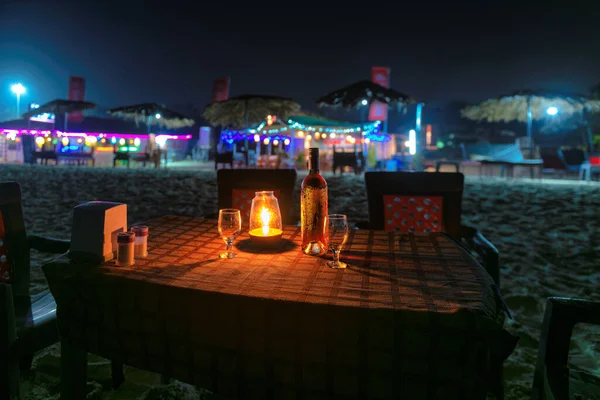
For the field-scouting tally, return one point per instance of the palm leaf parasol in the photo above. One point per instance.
(246, 110)
(352, 96)
(529, 105)
(152, 114)
(60, 106)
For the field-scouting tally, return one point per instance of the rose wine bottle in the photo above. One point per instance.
(313, 207)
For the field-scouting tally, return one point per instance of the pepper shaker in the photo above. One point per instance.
(125, 249)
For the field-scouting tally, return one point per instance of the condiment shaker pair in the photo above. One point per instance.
(131, 245)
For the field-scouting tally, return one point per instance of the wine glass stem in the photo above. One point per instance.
(336, 256)
(229, 244)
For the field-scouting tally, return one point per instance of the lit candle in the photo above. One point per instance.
(265, 220)
(265, 217)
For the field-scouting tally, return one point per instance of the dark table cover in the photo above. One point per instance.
(413, 316)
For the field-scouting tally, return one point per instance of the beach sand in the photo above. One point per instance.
(546, 231)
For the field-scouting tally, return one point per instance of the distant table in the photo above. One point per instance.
(413, 316)
(507, 168)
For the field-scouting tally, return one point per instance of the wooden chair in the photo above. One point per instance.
(355, 160)
(553, 380)
(224, 158)
(429, 202)
(436, 207)
(237, 187)
(27, 323)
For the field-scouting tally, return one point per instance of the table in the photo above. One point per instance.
(413, 316)
(508, 167)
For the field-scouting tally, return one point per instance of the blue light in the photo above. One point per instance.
(552, 110)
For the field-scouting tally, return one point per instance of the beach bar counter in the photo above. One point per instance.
(96, 148)
(297, 133)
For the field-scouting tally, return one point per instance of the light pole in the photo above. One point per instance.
(18, 89)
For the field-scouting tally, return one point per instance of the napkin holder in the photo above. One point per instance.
(94, 230)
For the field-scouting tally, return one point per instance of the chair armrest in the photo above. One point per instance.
(362, 225)
(559, 319)
(485, 249)
(48, 245)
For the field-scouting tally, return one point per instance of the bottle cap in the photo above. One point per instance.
(125, 237)
(140, 230)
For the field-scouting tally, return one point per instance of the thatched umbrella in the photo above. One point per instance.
(241, 112)
(60, 107)
(152, 114)
(529, 105)
(352, 96)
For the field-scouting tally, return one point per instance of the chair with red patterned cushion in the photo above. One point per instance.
(425, 202)
(428, 202)
(237, 187)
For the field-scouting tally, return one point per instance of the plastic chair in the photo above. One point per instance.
(553, 380)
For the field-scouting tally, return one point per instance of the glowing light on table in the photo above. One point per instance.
(286, 142)
(265, 231)
(40, 141)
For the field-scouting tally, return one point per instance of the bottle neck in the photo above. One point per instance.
(313, 165)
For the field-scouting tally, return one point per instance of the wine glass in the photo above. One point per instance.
(336, 234)
(230, 226)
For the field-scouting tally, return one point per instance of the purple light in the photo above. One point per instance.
(34, 132)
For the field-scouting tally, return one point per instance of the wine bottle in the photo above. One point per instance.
(313, 207)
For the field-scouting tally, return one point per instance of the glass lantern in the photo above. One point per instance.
(265, 219)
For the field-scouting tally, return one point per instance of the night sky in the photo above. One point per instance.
(171, 52)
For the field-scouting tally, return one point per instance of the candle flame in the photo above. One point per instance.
(265, 217)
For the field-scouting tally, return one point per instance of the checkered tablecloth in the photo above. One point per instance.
(413, 316)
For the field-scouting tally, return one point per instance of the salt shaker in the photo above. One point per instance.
(141, 241)
(125, 249)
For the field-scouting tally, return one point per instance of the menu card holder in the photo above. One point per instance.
(94, 230)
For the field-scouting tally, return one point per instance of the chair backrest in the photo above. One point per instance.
(415, 201)
(14, 247)
(572, 157)
(237, 187)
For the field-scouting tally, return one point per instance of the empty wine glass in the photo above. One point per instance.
(336, 234)
(230, 226)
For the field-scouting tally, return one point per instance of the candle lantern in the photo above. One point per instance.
(265, 220)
